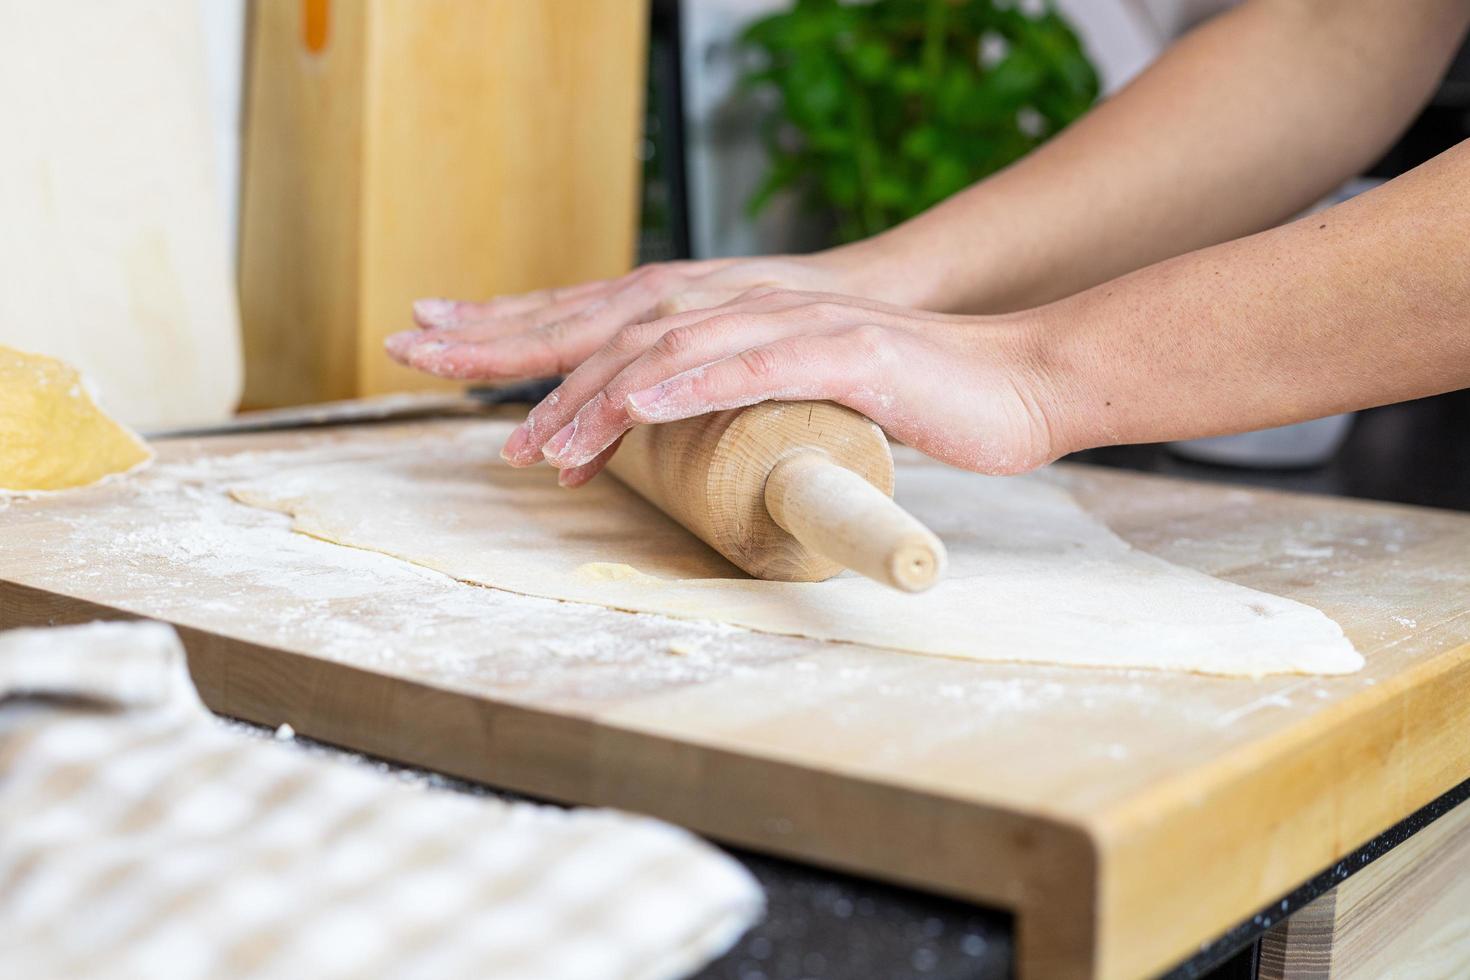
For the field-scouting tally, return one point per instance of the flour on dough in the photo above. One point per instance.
(1032, 576)
(607, 571)
(52, 434)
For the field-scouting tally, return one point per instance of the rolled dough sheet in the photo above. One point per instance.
(1032, 576)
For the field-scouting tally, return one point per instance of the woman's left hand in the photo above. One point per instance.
(966, 390)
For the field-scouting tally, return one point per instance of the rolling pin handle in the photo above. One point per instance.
(838, 514)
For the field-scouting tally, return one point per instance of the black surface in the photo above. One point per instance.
(827, 925)
(663, 232)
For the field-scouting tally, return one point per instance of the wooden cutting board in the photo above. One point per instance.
(1123, 816)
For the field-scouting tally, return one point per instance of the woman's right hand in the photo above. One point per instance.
(551, 331)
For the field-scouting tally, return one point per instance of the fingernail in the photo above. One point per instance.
(558, 443)
(398, 343)
(425, 351)
(647, 399)
(434, 312)
(515, 446)
(573, 476)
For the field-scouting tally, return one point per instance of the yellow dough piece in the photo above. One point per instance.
(52, 434)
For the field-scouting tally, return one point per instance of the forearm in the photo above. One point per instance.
(1238, 126)
(1360, 305)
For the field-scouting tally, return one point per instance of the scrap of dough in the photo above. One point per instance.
(1033, 577)
(52, 434)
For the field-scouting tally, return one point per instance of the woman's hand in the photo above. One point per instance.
(966, 390)
(551, 331)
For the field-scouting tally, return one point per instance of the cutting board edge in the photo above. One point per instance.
(1339, 804)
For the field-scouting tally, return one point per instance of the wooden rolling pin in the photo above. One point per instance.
(793, 491)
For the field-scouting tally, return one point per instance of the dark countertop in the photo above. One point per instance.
(1413, 453)
(820, 924)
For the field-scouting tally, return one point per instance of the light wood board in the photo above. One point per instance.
(1124, 816)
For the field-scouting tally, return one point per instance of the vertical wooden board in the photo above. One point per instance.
(302, 181)
(501, 154)
(1406, 915)
(1301, 947)
(463, 148)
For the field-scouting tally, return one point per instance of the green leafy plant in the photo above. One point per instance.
(889, 106)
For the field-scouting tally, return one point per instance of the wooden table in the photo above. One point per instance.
(1124, 816)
